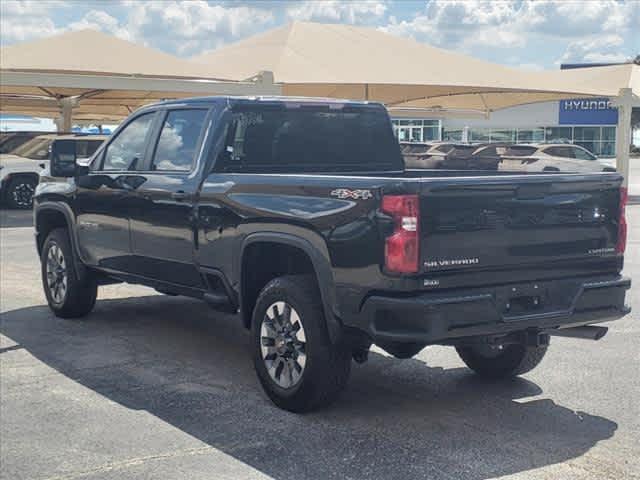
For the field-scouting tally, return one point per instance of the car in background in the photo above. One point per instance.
(551, 157)
(430, 155)
(473, 157)
(538, 157)
(19, 169)
(416, 154)
(11, 140)
(451, 156)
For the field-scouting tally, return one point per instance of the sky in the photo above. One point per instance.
(530, 34)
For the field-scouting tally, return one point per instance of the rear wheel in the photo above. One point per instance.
(298, 366)
(20, 192)
(68, 295)
(501, 361)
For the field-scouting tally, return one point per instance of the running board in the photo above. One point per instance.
(220, 296)
(220, 302)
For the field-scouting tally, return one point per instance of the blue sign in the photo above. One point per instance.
(587, 111)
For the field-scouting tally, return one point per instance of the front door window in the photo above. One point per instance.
(126, 151)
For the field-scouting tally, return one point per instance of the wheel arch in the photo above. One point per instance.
(11, 175)
(51, 215)
(319, 264)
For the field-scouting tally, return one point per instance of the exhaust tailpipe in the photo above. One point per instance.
(587, 332)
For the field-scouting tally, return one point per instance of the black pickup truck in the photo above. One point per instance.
(298, 217)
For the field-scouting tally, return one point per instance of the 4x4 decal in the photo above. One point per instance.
(344, 193)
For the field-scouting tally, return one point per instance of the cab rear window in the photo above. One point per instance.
(310, 138)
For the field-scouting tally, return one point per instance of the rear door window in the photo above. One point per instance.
(582, 154)
(565, 152)
(492, 150)
(444, 148)
(179, 138)
(520, 151)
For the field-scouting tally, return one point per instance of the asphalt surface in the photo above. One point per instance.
(160, 387)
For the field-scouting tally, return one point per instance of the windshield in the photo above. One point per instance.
(311, 138)
(11, 142)
(35, 149)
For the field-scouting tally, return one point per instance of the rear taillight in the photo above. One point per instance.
(622, 222)
(401, 251)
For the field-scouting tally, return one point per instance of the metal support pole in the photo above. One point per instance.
(67, 112)
(58, 122)
(66, 109)
(624, 102)
(465, 134)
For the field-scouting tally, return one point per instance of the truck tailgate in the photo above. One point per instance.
(489, 223)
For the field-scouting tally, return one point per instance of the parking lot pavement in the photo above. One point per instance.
(157, 387)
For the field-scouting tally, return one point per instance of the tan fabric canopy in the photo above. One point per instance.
(102, 78)
(355, 62)
(607, 81)
(110, 77)
(90, 51)
(106, 77)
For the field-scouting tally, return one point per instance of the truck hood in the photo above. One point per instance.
(15, 162)
(6, 159)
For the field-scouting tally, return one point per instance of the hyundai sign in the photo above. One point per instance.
(587, 111)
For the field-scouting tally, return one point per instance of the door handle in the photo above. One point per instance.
(179, 195)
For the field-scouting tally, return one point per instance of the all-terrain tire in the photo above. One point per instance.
(327, 365)
(79, 296)
(511, 361)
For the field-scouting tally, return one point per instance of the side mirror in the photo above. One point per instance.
(63, 158)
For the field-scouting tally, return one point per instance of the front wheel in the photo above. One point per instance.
(20, 192)
(501, 361)
(68, 295)
(297, 365)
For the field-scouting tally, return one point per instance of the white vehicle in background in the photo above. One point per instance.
(20, 169)
(431, 155)
(550, 157)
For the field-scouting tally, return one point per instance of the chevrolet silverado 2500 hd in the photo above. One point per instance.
(298, 217)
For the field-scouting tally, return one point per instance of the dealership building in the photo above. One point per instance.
(590, 123)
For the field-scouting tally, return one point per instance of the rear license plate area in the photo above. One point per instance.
(523, 299)
(523, 304)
